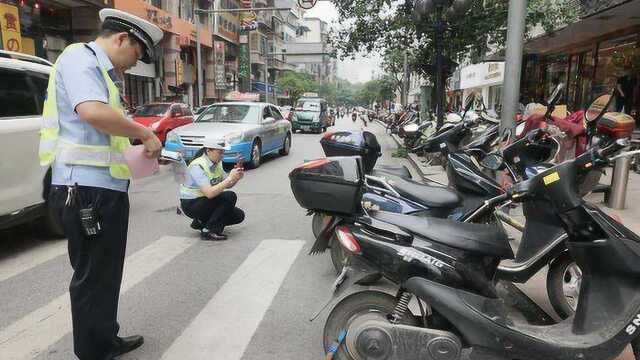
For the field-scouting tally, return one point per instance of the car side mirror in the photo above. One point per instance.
(175, 113)
(269, 120)
(492, 162)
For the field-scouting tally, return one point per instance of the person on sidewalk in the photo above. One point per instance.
(83, 136)
(204, 196)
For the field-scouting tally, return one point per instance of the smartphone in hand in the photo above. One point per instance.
(239, 163)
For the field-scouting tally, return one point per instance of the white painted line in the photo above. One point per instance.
(225, 326)
(28, 259)
(35, 332)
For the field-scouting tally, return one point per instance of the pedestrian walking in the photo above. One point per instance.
(83, 137)
(205, 198)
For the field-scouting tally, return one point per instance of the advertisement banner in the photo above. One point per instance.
(244, 66)
(220, 75)
(248, 19)
(10, 25)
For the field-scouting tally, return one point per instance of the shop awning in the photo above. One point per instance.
(615, 19)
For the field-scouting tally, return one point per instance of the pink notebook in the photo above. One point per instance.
(139, 164)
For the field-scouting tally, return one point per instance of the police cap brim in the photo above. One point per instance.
(148, 34)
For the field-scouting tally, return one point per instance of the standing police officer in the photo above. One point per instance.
(83, 136)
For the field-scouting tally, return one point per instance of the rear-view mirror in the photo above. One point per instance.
(268, 120)
(469, 101)
(555, 95)
(492, 162)
(598, 108)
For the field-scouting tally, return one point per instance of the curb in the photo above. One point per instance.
(424, 171)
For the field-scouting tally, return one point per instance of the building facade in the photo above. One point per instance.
(45, 28)
(591, 56)
(311, 53)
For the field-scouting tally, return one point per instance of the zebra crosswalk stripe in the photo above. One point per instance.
(225, 326)
(35, 332)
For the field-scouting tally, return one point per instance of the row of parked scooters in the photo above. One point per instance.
(443, 248)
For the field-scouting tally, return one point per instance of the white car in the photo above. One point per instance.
(24, 184)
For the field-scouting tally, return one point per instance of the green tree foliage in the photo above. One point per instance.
(296, 83)
(391, 26)
(376, 91)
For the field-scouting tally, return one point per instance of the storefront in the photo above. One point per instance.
(44, 27)
(484, 79)
(592, 57)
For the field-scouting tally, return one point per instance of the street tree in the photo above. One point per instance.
(390, 27)
(296, 84)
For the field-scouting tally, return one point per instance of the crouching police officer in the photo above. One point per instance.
(83, 137)
(204, 196)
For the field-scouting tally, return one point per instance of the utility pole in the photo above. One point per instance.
(513, 64)
(199, 56)
(266, 76)
(440, 28)
(405, 81)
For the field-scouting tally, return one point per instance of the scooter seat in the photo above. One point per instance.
(382, 170)
(429, 195)
(481, 239)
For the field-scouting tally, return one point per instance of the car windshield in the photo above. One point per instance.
(309, 105)
(245, 114)
(152, 110)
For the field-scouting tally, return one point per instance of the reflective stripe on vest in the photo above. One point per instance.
(52, 147)
(204, 164)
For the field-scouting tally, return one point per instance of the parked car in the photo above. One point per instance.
(250, 129)
(24, 184)
(312, 115)
(163, 117)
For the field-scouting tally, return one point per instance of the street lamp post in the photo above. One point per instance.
(437, 8)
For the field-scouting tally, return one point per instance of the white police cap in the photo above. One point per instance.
(214, 143)
(148, 34)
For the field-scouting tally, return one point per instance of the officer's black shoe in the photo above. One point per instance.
(127, 344)
(211, 236)
(197, 224)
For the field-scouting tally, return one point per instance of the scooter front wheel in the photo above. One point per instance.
(563, 285)
(370, 304)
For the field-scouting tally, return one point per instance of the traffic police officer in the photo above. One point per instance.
(83, 137)
(204, 196)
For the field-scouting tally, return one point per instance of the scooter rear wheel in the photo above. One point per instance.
(369, 303)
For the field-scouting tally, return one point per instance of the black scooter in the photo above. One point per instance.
(523, 156)
(450, 269)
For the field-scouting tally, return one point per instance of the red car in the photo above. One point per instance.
(163, 117)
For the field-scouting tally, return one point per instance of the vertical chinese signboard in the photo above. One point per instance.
(10, 25)
(220, 75)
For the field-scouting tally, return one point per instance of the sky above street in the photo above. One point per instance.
(358, 70)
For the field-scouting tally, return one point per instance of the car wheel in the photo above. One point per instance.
(286, 146)
(256, 155)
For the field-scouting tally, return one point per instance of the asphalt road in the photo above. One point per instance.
(247, 298)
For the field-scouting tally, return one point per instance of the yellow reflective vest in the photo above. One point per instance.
(53, 148)
(216, 174)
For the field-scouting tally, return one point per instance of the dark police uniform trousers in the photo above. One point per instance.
(215, 213)
(97, 267)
